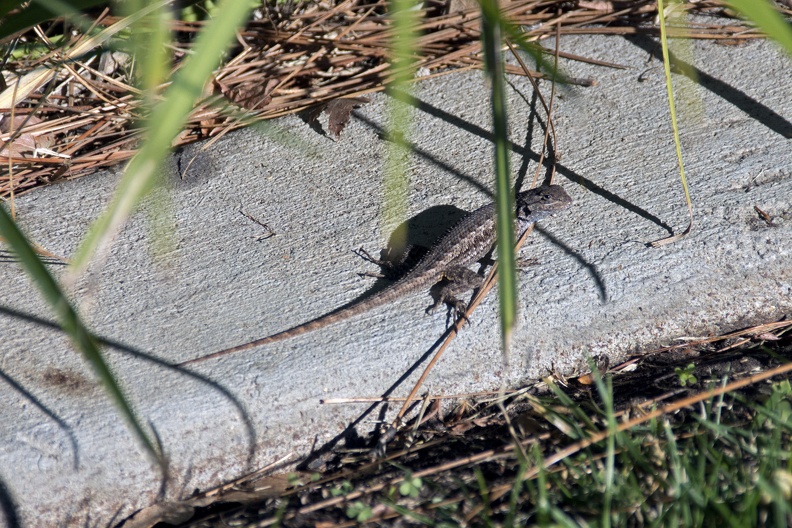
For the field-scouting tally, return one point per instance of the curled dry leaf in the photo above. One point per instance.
(338, 112)
(250, 95)
(598, 5)
(26, 142)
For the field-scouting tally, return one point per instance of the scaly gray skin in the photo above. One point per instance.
(466, 243)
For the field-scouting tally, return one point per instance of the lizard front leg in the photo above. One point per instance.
(394, 265)
(456, 281)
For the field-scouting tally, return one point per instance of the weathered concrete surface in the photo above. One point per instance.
(67, 459)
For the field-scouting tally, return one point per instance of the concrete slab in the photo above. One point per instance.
(66, 458)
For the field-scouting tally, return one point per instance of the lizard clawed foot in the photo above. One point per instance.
(388, 269)
(394, 264)
(433, 308)
(459, 308)
(456, 308)
(365, 255)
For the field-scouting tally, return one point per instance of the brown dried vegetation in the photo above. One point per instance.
(86, 116)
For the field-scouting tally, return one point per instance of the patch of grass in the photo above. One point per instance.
(718, 455)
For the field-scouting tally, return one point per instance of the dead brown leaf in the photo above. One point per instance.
(250, 95)
(338, 112)
(25, 142)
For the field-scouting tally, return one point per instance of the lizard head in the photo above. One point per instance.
(541, 202)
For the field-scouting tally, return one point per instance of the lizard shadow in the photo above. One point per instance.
(408, 243)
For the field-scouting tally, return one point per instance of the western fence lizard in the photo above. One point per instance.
(467, 242)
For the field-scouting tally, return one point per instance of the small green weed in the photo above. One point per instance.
(685, 375)
(359, 511)
(411, 486)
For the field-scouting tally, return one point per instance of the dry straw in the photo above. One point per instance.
(75, 108)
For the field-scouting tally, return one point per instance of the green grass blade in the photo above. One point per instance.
(70, 321)
(671, 105)
(766, 18)
(405, 19)
(491, 37)
(606, 395)
(166, 122)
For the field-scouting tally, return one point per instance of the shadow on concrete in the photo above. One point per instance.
(526, 154)
(8, 506)
(242, 411)
(755, 109)
(48, 412)
(521, 150)
(425, 155)
(350, 435)
(10, 257)
(588, 266)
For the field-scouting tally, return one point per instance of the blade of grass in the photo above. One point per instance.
(165, 123)
(404, 16)
(605, 390)
(71, 323)
(674, 126)
(491, 41)
(151, 38)
(766, 18)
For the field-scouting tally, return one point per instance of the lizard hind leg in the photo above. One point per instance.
(456, 281)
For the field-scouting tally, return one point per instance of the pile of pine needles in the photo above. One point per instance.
(288, 59)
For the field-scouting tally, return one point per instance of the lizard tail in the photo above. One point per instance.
(346, 312)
